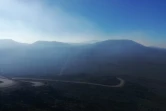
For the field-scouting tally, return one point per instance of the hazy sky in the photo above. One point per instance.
(143, 21)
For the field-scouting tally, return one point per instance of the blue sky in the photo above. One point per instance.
(143, 21)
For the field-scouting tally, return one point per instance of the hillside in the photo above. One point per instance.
(111, 57)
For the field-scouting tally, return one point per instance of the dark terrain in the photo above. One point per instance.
(73, 97)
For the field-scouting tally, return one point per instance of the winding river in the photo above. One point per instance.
(121, 82)
(6, 82)
(38, 82)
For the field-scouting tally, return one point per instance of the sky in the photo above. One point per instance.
(76, 21)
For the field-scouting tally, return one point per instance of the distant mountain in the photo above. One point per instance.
(8, 43)
(111, 57)
(50, 44)
(118, 47)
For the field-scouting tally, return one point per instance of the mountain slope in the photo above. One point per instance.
(121, 57)
(8, 43)
(111, 57)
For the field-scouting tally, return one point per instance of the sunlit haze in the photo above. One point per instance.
(83, 20)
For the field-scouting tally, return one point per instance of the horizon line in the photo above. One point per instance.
(84, 42)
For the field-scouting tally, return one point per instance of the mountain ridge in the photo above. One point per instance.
(109, 42)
